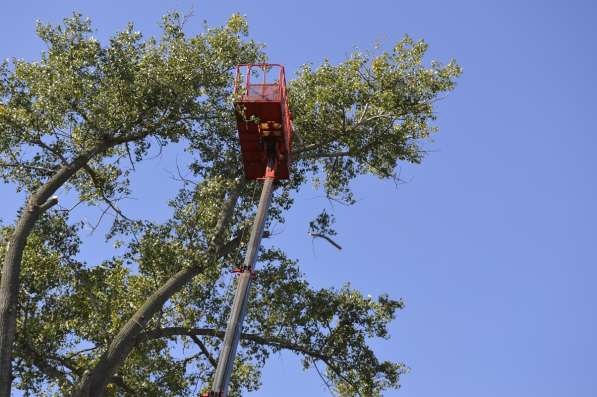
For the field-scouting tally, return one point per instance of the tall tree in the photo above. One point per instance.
(76, 115)
(82, 116)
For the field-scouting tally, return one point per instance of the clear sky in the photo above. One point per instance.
(491, 242)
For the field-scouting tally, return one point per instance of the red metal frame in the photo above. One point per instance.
(249, 67)
(268, 102)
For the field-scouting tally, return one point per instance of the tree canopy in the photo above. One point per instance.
(148, 319)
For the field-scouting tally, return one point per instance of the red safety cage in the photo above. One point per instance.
(263, 118)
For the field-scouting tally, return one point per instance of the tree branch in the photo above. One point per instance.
(273, 341)
(51, 371)
(323, 379)
(94, 381)
(204, 350)
(263, 340)
(326, 238)
(96, 182)
(318, 155)
(119, 381)
(52, 201)
(26, 166)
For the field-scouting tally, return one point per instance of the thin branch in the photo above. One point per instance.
(317, 155)
(26, 166)
(323, 378)
(51, 371)
(74, 206)
(264, 340)
(128, 152)
(51, 150)
(181, 178)
(94, 227)
(74, 354)
(204, 350)
(105, 198)
(187, 360)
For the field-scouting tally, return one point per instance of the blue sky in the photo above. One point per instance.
(492, 240)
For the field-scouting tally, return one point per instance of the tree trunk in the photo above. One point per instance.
(37, 204)
(9, 287)
(93, 383)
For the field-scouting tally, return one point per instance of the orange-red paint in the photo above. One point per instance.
(263, 118)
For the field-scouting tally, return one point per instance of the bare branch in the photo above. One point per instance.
(94, 227)
(323, 378)
(100, 190)
(204, 350)
(74, 354)
(128, 152)
(26, 166)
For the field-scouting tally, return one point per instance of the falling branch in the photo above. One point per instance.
(326, 238)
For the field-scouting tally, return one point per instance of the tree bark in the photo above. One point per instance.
(39, 202)
(93, 382)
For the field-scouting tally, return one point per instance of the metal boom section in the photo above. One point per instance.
(241, 297)
(265, 151)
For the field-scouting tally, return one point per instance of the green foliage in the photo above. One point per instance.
(135, 91)
(367, 113)
(323, 224)
(362, 116)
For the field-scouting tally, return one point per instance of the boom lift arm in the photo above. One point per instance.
(265, 132)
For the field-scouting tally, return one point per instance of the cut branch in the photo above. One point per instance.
(52, 201)
(326, 238)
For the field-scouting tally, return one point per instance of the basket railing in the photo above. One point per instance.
(246, 89)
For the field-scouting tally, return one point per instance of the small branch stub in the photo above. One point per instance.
(52, 201)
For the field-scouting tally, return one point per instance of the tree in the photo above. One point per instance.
(78, 120)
